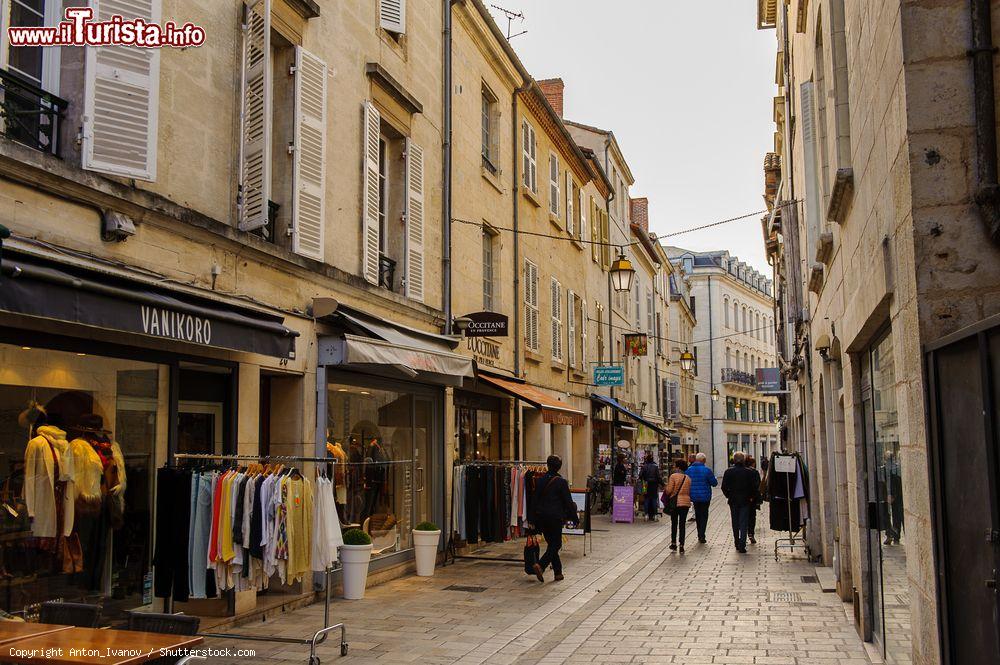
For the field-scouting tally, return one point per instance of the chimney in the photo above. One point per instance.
(640, 212)
(553, 91)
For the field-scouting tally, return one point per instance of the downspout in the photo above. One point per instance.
(446, 174)
(516, 189)
(987, 194)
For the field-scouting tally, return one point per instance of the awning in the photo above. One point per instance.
(614, 404)
(33, 286)
(553, 411)
(385, 348)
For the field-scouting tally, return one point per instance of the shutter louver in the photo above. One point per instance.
(571, 328)
(371, 195)
(584, 324)
(392, 15)
(583, 216)
(531, 305)
(309, 167)
(595, 234)
(121, 98)
(556, 300)
(255, 121)
(414, 221)
(570, 225)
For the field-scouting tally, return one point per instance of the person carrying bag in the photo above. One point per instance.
(677, 501)
(551, 508)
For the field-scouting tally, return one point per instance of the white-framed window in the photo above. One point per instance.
(490, 144)
(489, 265)
(571, 328)
(571, 195)
(650, 316)
(554, 186)
(529, 148)
(557, 320)
(40, 65)
(725, 310)
(530, 306)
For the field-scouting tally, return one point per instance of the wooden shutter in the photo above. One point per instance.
(392, 15)
(255, 117)
(584, 324)
(414, 221)
(370, 196)
(595, 233)
(571, 328)
(583, 215)
(813, 204)
(531, 305)
(309, 155)
(554, 184)
(121, 98)
(570, 222)
(556, 301)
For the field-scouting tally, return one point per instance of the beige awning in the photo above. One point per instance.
(553, 411)
(355, 351)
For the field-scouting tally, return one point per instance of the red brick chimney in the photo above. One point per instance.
(640, 212)
(553, 91)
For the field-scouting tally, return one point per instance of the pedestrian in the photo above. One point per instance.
(691, 460)
(551, 507)
(653, 481)
(742, 487)
(702, 481)
(619, 476)
(677, 501)
(752, 521)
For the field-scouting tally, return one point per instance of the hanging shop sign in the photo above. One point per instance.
(636, 344)
(486, 324)
(768, 379)
(609, 375)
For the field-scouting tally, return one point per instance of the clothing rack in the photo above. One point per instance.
(452, 547)
(794, 538)
(320, 636)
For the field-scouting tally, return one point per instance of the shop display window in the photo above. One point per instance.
(384, 435)
(80, 436)
(478, 427)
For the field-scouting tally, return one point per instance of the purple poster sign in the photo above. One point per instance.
(624, 498)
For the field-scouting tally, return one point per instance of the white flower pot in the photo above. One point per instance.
(425, 546)
(355, 560)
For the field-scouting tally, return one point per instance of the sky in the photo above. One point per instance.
(686, 87)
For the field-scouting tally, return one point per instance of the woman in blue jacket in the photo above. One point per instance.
(702, 481)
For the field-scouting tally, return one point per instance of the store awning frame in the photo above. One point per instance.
(553, 411)
(36, 287)
(617, 406)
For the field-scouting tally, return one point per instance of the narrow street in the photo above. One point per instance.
(630, 601)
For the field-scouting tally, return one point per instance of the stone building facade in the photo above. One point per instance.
(883, 239)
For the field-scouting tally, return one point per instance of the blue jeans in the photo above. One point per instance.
(652, 502)
(741, 518)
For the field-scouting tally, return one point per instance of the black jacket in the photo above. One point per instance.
(620, 474)
(651, 473)
(741, 485)
(552, 505)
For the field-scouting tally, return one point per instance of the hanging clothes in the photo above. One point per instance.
(787, 494)
(327, 535)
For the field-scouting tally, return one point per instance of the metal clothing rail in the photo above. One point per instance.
(320, 636)
(451, 547)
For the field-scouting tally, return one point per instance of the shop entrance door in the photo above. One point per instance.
(964, 406)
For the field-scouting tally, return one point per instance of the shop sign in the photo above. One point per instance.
(623, 502)
(485, 352)
(486, 324)
(162, 322)
(581, 498)
(609, 375)
(555, 417)
(636, 344)
(768, 379)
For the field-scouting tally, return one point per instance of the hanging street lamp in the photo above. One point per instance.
(687, 361)
(715, 394)
(622, 273)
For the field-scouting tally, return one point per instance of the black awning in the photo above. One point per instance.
(51, 290)
(614, 404)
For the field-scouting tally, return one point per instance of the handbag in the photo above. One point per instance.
(13, 511)
(670, 503)
(531, 554)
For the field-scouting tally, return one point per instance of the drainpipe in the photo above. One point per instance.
(987, 195)
(446, 174)
(515, 157)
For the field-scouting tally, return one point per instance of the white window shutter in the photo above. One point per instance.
(309, 155)
(392, 15)
(556, 302)
(121, 98)
(570, 222)
(584, 324)
(554, 184)
(414, 221)
(571, 327)
(370, 196)
(583, 216)
(255, 117)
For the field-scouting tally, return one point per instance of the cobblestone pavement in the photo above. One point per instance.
(630, 601)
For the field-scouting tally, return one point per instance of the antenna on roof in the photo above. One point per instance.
(511, 17)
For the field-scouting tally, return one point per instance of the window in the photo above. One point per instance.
(729, 357)
(573, 223)
(659, 334)
(489, 240)
(725, 311)
(744, 409)
(605, 240)
(638, 312)
(731, 408)
(392, 15)
(554, 187)
(672, 406)
(571, 328)
(771, 413)
(557, 320)
(383, 195)
(736, 316)
(583, 325)
(693, 310)
(530, 306)
(490, 134)
(529, 148)
(694, 350)
(650, 315)
(600, 333)
(745, 326)
(697, 406)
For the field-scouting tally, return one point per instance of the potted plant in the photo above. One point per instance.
(355, 555)
(425, 545)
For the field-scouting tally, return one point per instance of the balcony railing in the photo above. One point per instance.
(730, 375)
(28, 114)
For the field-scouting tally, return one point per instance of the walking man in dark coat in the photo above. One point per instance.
(552, 506)
(742, 487)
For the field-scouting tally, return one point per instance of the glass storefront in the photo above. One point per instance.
(886, 554)
(479, 426)
(79, 437)
(386, 430)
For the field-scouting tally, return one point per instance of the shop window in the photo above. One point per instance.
(478, 427)
(386, 433)
(97, 425)
(204, 408)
